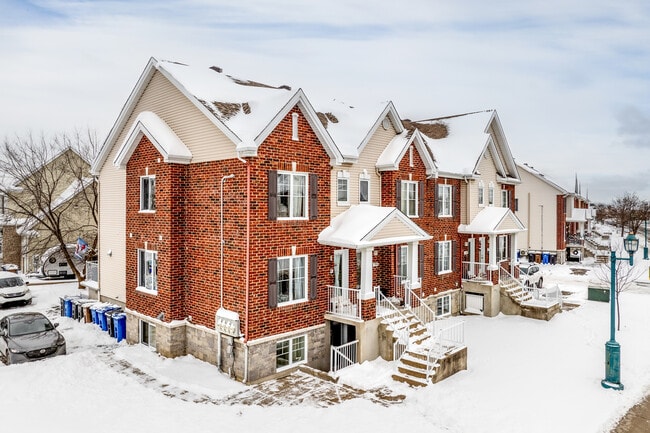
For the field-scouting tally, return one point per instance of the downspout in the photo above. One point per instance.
(247, 266)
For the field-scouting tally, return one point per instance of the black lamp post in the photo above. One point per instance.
(612, 348)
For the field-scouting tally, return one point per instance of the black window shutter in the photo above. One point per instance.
(398, 194)
(454, 254)
(273, 195)
(313, 196)
(313, 277)
(436, 255)
(452, 200)
(421, 198)
(421, 260)
(273, 282)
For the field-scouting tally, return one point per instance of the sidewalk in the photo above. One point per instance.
(637, 420)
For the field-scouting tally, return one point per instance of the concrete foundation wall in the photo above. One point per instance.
(451, 364)
(491, 296)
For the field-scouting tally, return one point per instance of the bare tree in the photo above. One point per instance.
(626, 275)
(49, 195)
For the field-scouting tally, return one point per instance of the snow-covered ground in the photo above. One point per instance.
(523, 375)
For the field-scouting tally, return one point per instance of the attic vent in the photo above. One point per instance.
(326, 118)
(216, 69)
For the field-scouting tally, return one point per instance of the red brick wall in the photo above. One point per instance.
(188, 218)
(561, 222)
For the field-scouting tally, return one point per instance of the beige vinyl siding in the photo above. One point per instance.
(508, 224)
(200, 135)
(488, 174)
(532, 194)
(393, 229)
(112, 231)
(368, 161)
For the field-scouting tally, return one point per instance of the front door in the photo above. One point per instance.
(481, 254)
(341, 261)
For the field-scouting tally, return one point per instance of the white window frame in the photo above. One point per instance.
(364, 178)
(504, 198)
(443, 256)
(148, 193)
(150, 334)
(491, 194)
(294, 264)
(343, 187)
(296, 355)
(481, 193)
(144, 254)
(292, 196)
(443, 306)
(502, 247)
(405, 200)
(444, 191)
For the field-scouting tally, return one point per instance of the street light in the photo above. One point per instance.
(612, 348)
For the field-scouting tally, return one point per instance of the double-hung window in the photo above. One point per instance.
(342, 188)
(409, 198)
(481, 193)
(491, 194)
(444, 200)
(443, 306)
(292, 280)
(504, 198)
(148, 270)
(290, 352)
(292, 195)
(364, 188)
(443, 257)
(148, 193)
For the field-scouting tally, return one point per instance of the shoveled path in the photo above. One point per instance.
(636, 420)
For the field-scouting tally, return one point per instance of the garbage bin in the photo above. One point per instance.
(545, 258)
(93, 312)
(101, 315)
(110, 323)
(62, 305)
(87, 313)
(119, 321)
(68, 307)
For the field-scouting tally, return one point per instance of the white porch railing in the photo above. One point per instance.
(476, 271)
(343, 356)
(547, 296)
(449, 337)
(422, 311)
(344, 301)
(389, 311)
(92, 271)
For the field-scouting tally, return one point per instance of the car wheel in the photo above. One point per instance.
(540, 282)
(28, 302)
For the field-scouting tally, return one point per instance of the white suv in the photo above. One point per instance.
(13, 289)
(530, 275)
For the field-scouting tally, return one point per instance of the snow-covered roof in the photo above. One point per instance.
(539, 175)
(493, 220)
(395, 150)
(160, 134)
(364, 225)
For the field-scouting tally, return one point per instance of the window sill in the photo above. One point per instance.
(290, 366)
(288, 303)
(292, 219)
(146, 291)
(445, 216)
(444, 272)
(146, 211)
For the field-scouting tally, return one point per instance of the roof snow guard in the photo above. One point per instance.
(160, 134)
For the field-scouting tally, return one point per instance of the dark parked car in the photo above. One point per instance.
(29, 337)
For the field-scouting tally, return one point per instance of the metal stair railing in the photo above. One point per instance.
(420, 309)
(388, 310)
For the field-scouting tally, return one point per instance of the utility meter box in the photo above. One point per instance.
(227, 322)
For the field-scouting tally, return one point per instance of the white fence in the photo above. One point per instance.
(343, 356)
(344, 301)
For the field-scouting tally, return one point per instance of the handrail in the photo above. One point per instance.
(343, 356)
(387, 310)
(421, 310)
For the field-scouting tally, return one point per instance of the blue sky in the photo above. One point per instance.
(571, 82)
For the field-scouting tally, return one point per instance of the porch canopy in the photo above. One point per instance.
(493, 221)
(578, 216)
(367, 226)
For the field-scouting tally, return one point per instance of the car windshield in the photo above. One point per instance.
(10, 282)
(524, 269)
(29, 325)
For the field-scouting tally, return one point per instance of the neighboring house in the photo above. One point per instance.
(25, 239)
(580, 216)
(542, 208)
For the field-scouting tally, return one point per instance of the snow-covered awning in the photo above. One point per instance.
(579, 216)
(160, 134)
(364, 226)
(493, 221)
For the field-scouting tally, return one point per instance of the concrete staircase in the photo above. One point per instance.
(515, 290)
(414, 364)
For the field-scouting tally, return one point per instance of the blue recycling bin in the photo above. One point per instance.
(67, 303)
(93, 313)
(119, 321)
(545, 258)
(101, 315)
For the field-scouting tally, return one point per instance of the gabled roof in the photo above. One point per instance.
(493, 220)
(469, 137)
(363, 226)
(160, 134)
(396, 149)
(245, 111)
(539, 175)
